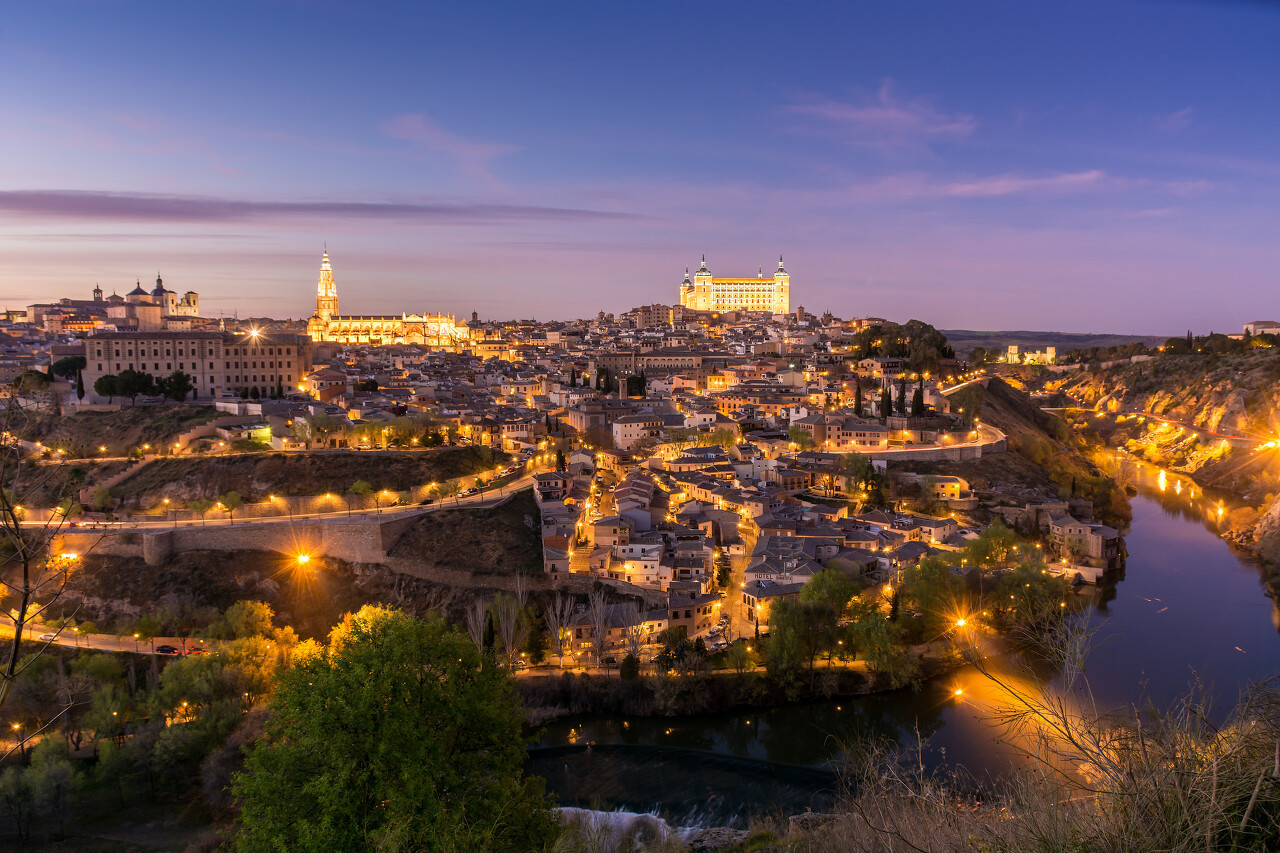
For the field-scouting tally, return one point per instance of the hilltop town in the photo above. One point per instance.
(702, 460)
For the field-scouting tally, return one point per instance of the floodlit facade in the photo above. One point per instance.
(438, 331)
(704, 293)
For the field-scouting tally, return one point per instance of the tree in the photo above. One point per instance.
(131, 383)
(561, 464)
(886, 403)
(68, 367)
(917, 402)
(902, 396)
(79, 385)
(477, 619)
(32, 578)
(176, 386)
(449, 489)
(857, 396)
(254, 393)
(201, 507)
(100, 499)
(245, 619)
(800, 437)
(739, 658)
(347, 764)
(724, 571)
(830, 587)
(231, 502)
(629, 669)
(598, 617)
(367, 386)
(558, 616)
(783, 660)
(360, 488)
(107, 386)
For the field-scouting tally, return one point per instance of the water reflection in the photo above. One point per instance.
(1184, 607)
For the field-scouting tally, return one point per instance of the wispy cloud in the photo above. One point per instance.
(139, 207)
(887, 119)
(472, 156)
(1175, 121)
(1002, 185)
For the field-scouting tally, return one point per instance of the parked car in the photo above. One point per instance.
(167, 650)
(426, 501)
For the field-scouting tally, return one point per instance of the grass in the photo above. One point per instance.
(122, 431)
(254, 476)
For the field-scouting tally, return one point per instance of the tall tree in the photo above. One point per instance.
(347, 764)
(886, 402)
(857, 396)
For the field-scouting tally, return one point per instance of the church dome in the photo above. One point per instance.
(138, 291)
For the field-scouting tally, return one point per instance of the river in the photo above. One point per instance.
(1186, 608)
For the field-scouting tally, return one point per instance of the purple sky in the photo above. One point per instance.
(1081, 166)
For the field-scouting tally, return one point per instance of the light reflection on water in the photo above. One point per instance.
(1185, 608)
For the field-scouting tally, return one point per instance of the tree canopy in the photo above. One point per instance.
(398, 736)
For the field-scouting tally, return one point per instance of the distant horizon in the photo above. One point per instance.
(980, 164)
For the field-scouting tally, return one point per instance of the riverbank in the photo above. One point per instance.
(562, 694)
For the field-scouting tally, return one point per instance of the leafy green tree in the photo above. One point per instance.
(917, 402)
(629, 669)
(68, 367)
(830, 587)
(176, 386)
(360, 488)
(812, 623)
(348, 764)
(783, 660)
(245, 619)
(100, 499)
(201, 507)
(231, 502)
(131, 383)
(800, 437)
(107, 386)
(886, 403)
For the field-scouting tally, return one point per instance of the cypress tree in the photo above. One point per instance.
(857, 398)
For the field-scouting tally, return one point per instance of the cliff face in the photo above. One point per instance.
(1232, 394)
(1202, 399)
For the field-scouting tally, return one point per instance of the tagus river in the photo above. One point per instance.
(1185, 608)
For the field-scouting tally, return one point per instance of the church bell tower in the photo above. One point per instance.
(326, 291)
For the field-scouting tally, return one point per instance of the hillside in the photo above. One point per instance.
(121, 431)
(964, 340)
(1230, 394)
(493, 541)
(256, 475)
(1046, 461)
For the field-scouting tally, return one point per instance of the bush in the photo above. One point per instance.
(630, 668)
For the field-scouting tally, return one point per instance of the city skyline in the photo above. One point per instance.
(1095, 168)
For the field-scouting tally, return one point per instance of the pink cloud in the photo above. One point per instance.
(1002, 185)
(1175, 121)
(888, 118)
(473, 156)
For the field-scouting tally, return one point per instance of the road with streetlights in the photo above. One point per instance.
(72, 638)
(480, 500)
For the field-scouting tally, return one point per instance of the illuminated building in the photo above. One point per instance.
(704, 293)
(437, 331)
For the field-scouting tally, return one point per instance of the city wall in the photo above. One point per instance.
(362, 539)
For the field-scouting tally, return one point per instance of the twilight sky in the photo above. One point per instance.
(1074, 166)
